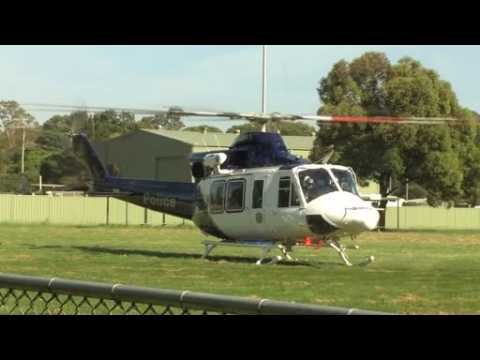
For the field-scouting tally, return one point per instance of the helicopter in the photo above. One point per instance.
(255, 193)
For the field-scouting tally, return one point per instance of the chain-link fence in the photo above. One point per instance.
(43, 296)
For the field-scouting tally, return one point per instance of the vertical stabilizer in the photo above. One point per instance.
(84, 149)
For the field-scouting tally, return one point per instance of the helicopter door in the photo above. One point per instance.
(259, 204)
(286, 214)
(232, 213)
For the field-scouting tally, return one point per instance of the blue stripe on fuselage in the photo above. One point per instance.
(174, 198)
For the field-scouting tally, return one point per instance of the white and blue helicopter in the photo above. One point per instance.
(256, 193)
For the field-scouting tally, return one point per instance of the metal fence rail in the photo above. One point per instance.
(53, 296)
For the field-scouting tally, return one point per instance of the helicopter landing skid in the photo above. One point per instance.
(266, 248)
(341, 250)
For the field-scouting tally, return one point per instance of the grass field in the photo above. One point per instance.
(414, 272)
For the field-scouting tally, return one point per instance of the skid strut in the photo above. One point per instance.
(342, 251)
(266, 248)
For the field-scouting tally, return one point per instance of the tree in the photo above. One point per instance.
(13, 121)
(109, 124)
(286, 128)
(203, 128)
(18, 129)
(53, 141)
(162, 121)
(432, 156)
(100, 126)
(33, 159)
(60, 165)
(249, 127)
(13, 115)
(64, 168)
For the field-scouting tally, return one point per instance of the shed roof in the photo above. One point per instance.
(225, 140)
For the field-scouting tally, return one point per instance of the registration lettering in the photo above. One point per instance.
(159, 201)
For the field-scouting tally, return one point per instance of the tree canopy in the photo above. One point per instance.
(443, 159)
(203, 128)
(162, 121)
(287, 128)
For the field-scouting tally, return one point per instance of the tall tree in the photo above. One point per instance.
(100, 126)
(428, 155)
(18, 131)
(109, 124)
(64, 168)
(286, 128)
(161, 121)
(13, 121)
(203, 128)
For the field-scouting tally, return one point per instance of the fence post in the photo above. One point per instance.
(398, 214)
(126, 213)
(108, 210)
(163, 219)
(145, 216)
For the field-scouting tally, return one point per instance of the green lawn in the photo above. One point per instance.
(414, 272)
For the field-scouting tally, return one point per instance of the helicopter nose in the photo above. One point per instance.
(342, 211)
(360, 219)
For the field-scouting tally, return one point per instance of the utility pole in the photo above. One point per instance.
(264, 85)
(264, 80)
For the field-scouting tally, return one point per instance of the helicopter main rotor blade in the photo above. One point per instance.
(258, 117)
(378, 119)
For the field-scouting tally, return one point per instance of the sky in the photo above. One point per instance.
(204, 77)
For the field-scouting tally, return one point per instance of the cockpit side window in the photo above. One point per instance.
(295, 199)
(315, 183)
(346, 180)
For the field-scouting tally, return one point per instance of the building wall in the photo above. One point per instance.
(143, 155)
(302, 153)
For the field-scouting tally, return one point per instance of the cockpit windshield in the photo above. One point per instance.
(315, 183)
(318, 182)
(346, 180)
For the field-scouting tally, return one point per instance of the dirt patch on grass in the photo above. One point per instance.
(299, 283)
(409, 298)
(324, 301)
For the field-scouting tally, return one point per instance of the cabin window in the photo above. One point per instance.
(217, 192)
(284, 192)
(235, 195)
(257, 195)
